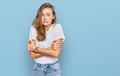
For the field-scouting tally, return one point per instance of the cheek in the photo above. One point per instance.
(42, 19)
(50, 19)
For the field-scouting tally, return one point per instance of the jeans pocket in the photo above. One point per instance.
(56, 67)
(36, 66)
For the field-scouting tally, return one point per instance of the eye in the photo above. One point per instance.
(47, 14)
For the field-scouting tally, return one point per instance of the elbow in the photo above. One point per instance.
(56, 55)
(31, 56)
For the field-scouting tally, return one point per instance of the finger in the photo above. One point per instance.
(29, 42)
(58, 43)
(54, 41)
(58, 46)
(29, 49)
(33, 42)
(28, 45)
(58, 39)
(31, 45)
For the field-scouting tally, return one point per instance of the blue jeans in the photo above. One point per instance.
(52, 69)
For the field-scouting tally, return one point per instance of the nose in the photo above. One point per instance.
(45, 17)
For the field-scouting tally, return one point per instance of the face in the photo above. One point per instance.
(47, 16)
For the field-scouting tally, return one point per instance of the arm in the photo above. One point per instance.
(50, 51)
(53, 50)
(31, 48)
(35, 55)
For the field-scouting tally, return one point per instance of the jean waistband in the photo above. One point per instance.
(46, 63)
(38, 65)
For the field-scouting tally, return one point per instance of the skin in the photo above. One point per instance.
(54, 49)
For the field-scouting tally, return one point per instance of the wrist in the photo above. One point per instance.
(36, 49)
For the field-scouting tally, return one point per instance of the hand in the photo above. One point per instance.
(56, 44)
(31, 45)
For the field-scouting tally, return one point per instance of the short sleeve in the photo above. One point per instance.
(32, 33)
(59, 32)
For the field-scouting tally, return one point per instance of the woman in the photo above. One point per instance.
(45, 42)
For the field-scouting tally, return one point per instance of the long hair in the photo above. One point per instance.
(37, 24)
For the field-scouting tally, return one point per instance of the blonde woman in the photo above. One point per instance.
(45, 42)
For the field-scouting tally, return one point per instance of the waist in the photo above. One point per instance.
(46, 63)
(39, 66)
(45, 60)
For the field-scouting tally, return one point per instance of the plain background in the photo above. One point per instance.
(91, 27)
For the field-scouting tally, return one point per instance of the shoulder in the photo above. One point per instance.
(57, 26)
(32, 27)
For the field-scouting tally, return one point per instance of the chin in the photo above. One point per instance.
(46, 24)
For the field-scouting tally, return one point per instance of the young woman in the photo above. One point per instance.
(45, 42)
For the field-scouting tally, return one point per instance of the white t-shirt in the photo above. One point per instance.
(55, 32)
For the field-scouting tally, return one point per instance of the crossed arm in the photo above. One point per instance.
(53, 50)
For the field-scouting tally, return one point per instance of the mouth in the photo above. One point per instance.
(45, 22)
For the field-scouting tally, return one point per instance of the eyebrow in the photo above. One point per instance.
(46, 13)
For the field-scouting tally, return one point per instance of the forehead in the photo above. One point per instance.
(47, 10)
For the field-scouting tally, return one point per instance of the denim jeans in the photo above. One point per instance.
(52, 69)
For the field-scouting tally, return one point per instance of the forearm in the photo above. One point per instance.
(52, 51)
(35, 55)
(49, 52)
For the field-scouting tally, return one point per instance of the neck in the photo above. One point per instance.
(47, 27)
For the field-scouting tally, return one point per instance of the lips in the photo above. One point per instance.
(44, 21)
